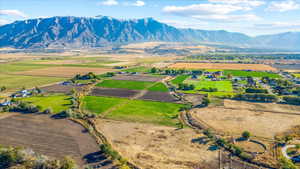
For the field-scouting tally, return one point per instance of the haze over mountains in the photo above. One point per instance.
(94, 32)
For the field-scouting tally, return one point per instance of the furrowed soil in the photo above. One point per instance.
(55, 138)
(222, 66)
(158, 147)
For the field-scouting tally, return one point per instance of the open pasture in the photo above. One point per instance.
(179, 79)
(58, 88)
(146, 78)
(158, 96)
(139, 69)
(241, 73)
(55, 138)
(222, 86)
(159, 87)
(113, 92)
(57, 103)
(63, 71)
(147, 112)
(236, 121)
(223, 66)
(15, 82)
(125, 84)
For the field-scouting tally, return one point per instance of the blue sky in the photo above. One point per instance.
(253, 17)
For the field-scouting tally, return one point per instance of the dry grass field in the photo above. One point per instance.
(158, 147)
(223, 66)
(270, 107)
(54, 138)
(63, 71)
(235, 121)
(62, 62)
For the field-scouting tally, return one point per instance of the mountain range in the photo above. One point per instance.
(77, 32)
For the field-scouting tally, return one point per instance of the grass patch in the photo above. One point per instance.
(125, 84)
(159, 87)
(9, 68)
(242, 73)
(179, 79)
(14, 82)
(140, 69)
(222, 86)
(297, 75)
(99, 105)
(56, 103)
(147, 112)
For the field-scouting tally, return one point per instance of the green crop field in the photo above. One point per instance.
(134, 110)
(179, 79)
(159, 87)
(57, 103)
(140, 69)
(99, 105)
(242, 73)
(125, 84)
(147, 111)
(14, 82)
(297, 75)
(222, 86)
(9, 68)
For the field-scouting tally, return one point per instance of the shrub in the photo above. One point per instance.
(256, 90)
(292, 100)
(246, 135)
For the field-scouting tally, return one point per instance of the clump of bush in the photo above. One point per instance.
(11, 157)
(292, 100)
(256, 90)
(257, 97)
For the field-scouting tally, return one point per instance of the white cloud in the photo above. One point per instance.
(252, 3)
(228, 18)
(13, 13)
(278, 25)
(139, 3)
(109, 2)
(283, 6)
(203, 9)
(196, 24)
(212, 12)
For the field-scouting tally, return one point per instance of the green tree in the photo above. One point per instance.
(246, 135)
(287, 164)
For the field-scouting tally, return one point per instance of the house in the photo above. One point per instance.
(22, 93)
(66, 83)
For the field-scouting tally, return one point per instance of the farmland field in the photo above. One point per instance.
(241, 73)
(148, 112)
(59, 88)
(113, 92)
(235, 121)
(223, 66)
(159, 87)
(14, 82)
(158, 147)
(140, 69)
(297, 75)
(223, 86)
(56, 103)
(125, 84)
(158, 96)
(179, 79)
(55, 138)
(63, 71)
(146, 78)
(99, 105)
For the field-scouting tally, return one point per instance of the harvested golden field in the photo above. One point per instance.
(235, 121)
(158, 147)
(270, 107)
(63, 71)
(226, 66)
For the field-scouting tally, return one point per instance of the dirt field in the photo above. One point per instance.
(157, 147)
(158, 96)
(99, 91)
(270, 107)
(58, 88)
(226, 66)
(54, 138)
(235, 121)
(63, 71)
(145, 78)
(250, 146)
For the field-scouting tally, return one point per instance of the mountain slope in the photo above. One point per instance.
(94, 32)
